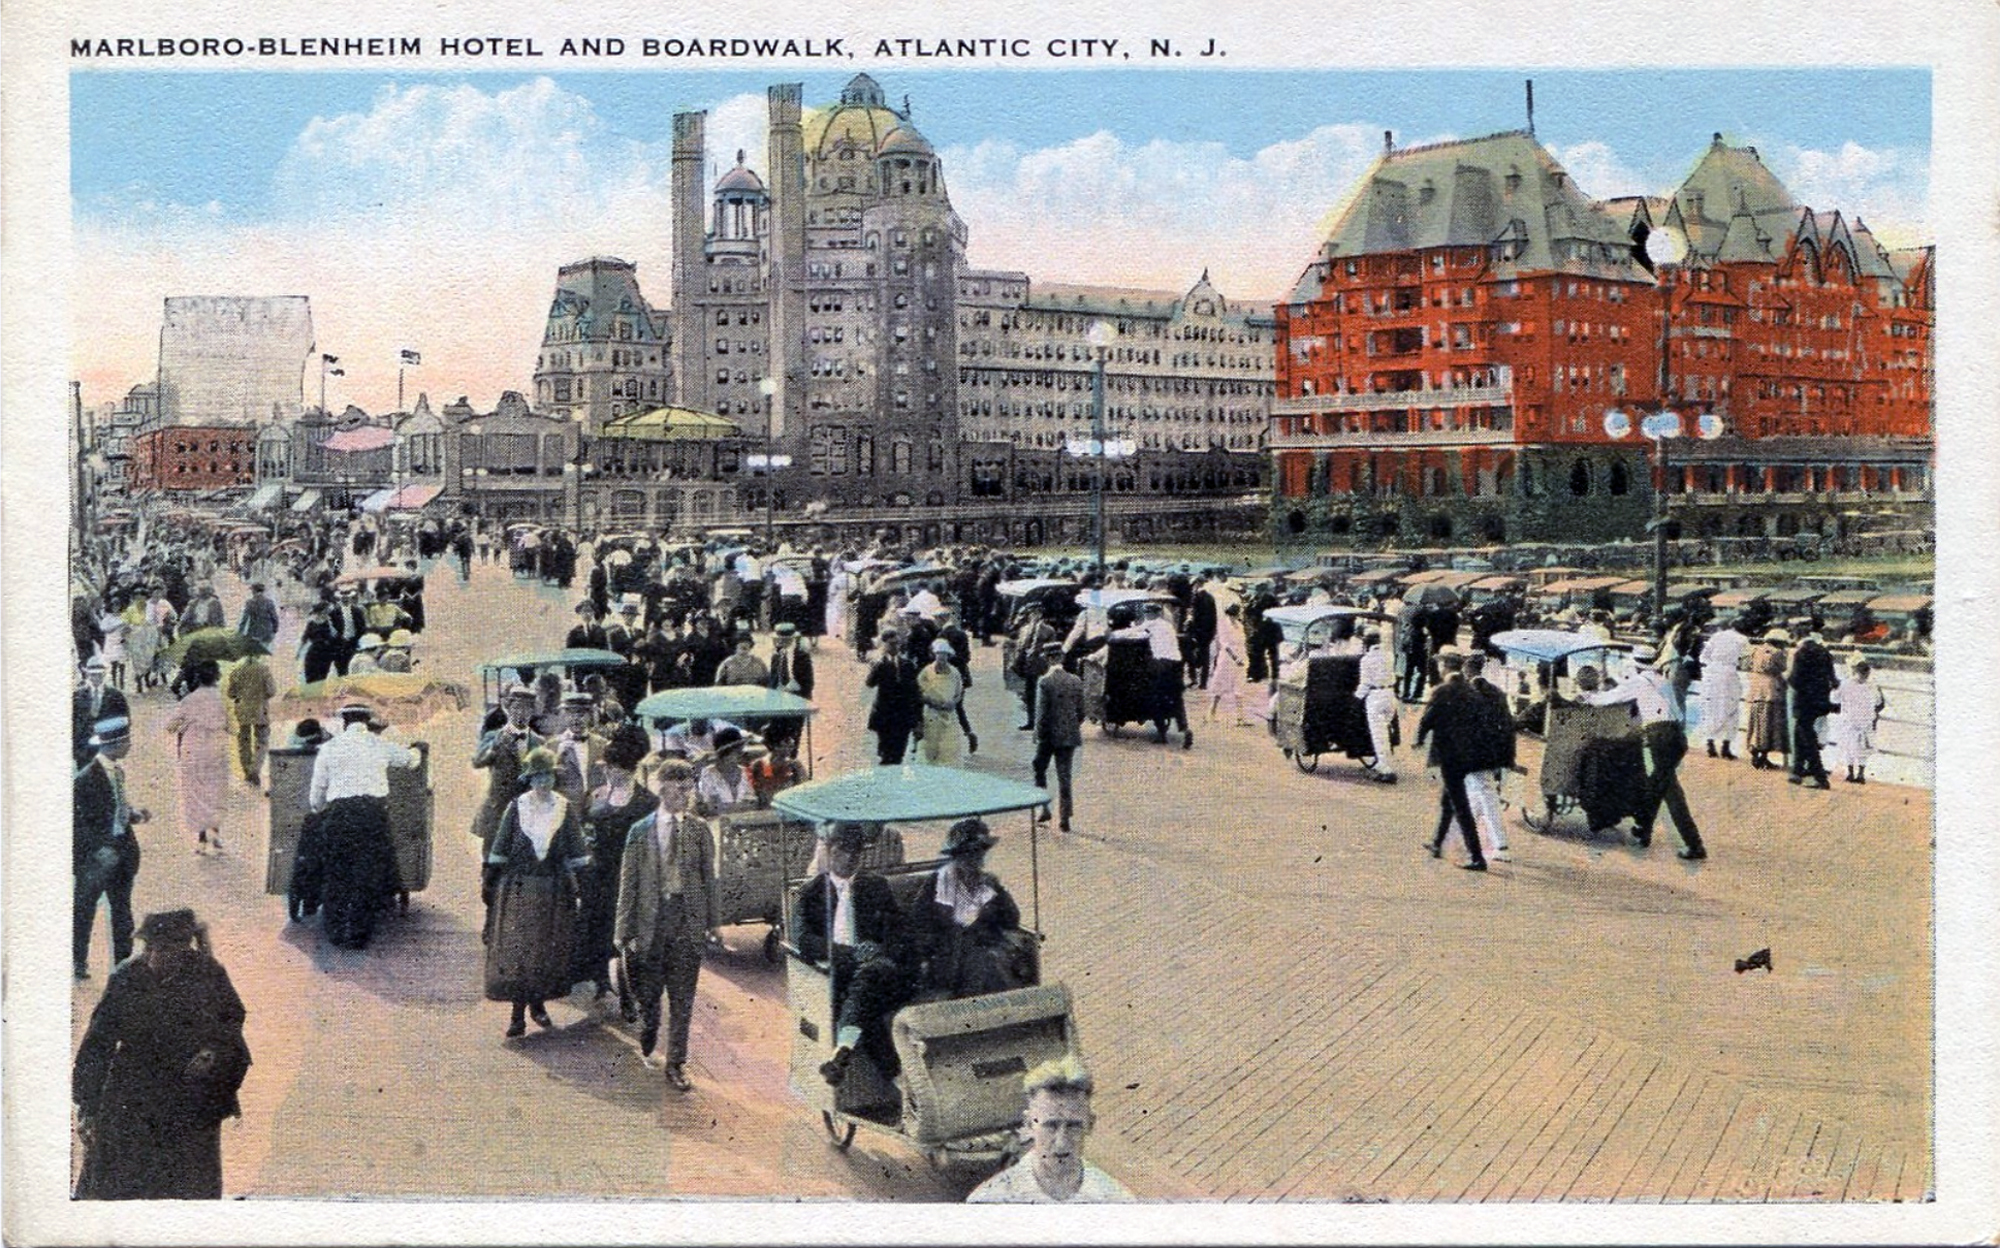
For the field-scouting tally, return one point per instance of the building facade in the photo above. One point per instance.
(829, 313)
(605, 352)
(228, 364)
(1446, 364)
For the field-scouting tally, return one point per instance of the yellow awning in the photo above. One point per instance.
(671, 424)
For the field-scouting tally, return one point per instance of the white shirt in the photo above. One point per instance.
(843, 910)
(790, 584)
(747, 568)
(1159, 637)
(1016, 1185)
(1373, 672)
(356, 763)
(538, 822)
(718, 794)
(679, 739)
(1643, 688)
(924, 603)
(1724, 651)
(965, 900)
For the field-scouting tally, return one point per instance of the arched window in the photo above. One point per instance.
(1579, 477)
(1620, 481)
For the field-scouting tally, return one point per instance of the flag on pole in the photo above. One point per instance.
(329, 359)
(411, 357)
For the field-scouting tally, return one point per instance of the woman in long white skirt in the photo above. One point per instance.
(1860, 701)
(837, 588)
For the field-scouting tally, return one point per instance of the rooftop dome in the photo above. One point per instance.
(861, 120)
(905, 141)
(740, 178)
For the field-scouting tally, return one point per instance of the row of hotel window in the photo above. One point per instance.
(1114, 383)
(1121, 412)
(983, 318)
(1584, 478)
(1187, 441)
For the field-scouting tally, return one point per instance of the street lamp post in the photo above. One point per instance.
(1658, 427)
(767, 464)
(1101, 335)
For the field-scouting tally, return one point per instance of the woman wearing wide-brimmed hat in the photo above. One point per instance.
(158, 1070)
(531, 891)
(1764, 699)
(962, 921)
(613, 807)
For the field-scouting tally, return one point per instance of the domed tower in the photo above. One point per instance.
(906, 165)
(742, 213)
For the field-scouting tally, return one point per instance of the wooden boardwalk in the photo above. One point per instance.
(1281, 995)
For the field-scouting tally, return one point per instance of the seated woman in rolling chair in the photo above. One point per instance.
(962, 923)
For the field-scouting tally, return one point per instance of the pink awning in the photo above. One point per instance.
(414, 497)
(361, 438)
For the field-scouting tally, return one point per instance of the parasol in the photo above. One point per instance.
(213, 645)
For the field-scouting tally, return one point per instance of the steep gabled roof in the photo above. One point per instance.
(1503, 188)
(1725, 181)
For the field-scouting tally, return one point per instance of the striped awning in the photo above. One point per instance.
(306, 501)
(266, 496)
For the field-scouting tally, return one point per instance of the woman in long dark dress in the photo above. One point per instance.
(158, 1070)
(613, 808)
(531, 927)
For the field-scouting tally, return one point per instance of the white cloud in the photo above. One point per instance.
(1888, 188)
(436, 220)
(1101, 210)
(1598, 172)
(739, 123)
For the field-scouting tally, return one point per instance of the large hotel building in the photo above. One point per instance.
(1447, 362)
(830, 315)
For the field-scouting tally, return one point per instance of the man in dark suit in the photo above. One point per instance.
(1452, 724)
(347, 620)
(1058, 728)
(93, 700)
(1200, 633)
(849, 922)
(104, 853)
(1809, 683)
(791, 664)
(898, 705)
(588, 633)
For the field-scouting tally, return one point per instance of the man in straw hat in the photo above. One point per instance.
(665, 909)
(93, 700)
(104, 851)
(350, 790)
(158, 1070)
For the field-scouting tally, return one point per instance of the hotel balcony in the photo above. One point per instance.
(1396, 400)
(1364, 438)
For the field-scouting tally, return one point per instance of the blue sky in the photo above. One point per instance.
(206, 137)
(327, 183)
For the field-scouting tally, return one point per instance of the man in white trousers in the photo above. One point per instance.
(1375, 685)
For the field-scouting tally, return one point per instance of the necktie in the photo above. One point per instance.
(118, 811)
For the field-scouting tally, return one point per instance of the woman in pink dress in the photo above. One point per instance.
(1228, 654)
(200, 727)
